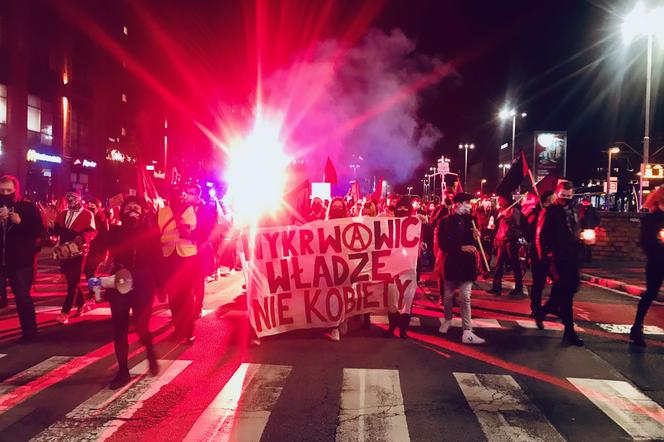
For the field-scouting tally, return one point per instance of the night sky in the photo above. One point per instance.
(563, 62)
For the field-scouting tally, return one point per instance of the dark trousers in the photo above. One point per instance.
(203, 269)
(141, 307)
(507, 252)
(92, 261)
(566, 280)
(654, 278)
(180, 288)
(400, 320)
(72, 269)
(540, 271)
(20, 280)
(3, 287)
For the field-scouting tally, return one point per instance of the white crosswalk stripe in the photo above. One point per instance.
(503, 409)
(625, 328)
(99, 417)
(242, 409)
(37, 378)
(636, 413)
(477, 323)
(372, 406)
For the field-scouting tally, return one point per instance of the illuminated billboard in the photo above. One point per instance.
(549, 153)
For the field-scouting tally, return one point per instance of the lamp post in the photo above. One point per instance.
(648, 24)
(511, 113)
(355, 167)
(424, 186)
(482, 186)
(465, 147)
(504, 167)
(611, 150)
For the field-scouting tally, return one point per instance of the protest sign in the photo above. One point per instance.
(321, 273)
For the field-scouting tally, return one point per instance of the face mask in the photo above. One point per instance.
(6, 200)
(565, 201)
(131, 217)
(462, 209)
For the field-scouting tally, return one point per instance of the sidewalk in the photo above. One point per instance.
(627, 277)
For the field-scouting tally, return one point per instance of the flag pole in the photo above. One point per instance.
(479, 243)
(532, 180)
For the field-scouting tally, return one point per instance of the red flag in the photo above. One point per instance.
(378, 192)
(512, 180)
(145, 186)
(330, 174)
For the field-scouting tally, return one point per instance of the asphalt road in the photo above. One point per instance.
(521, 385)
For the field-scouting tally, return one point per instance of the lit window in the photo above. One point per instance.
(34, 113)
(123, 131)
(125, 31)
(3, 104)
(124, 98)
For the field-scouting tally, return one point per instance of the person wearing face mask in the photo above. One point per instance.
(98, 247)
(457, 239)
(134, 246)
(402, 209)
(21, 230)
(75, 224)
(507, 248)
(538, 267)
(558, 243)
(652, 242)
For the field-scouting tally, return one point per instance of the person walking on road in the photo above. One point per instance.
(457, 239)
(538, 267)
(98, 248)
(134, 246)
(507, 248)
(75, 224)
(652, 242)
(559, 244)
(21, 228)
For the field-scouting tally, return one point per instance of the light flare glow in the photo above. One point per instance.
(256, 172)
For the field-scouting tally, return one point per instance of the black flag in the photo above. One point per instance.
(512, 180)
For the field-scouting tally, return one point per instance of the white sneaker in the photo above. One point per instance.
(334, 335)
(343, 328)
(471, 338)
(445, 326)
(63, 318)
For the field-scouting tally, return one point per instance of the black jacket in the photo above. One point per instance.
(651, 224)
(139, 251)
(20, 243)
(555, 239)
(455, 231)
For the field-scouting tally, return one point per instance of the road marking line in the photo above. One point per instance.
(241, 410)
(2, 355)
(503, 409)
(625, 328)
(548, 325)
(37, 378)
(619, 292)
(371, 406)
(99, 417)
(636, 413)
(477, 323)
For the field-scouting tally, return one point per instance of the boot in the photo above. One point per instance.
(404, 323)
(636, 336)
(571, 338)
(152, 362)
(393, 320)
(120, 380)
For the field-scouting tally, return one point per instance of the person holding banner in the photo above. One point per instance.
(461, 262)
(338, 209)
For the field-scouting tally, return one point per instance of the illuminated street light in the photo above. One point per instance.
(504, 167)
(612, 150)
(482, 186)
(465, 147)
(506, 114)
(649, 24)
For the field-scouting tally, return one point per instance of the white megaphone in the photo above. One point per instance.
(121, 281)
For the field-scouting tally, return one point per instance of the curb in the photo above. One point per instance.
(628, 289)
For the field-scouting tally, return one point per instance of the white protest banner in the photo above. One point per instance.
(319, 274)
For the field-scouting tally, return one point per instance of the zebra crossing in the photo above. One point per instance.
(371, 404)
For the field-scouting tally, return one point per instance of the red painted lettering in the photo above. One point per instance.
(274, 281)
(326, 242)
(376, 265)
(283, 308)
(408, 222)
(310, 305)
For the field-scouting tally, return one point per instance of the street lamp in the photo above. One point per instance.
(482, 186)
(611, 150)
(354, 167)
(511, 113)
(465, 147)
(649, 24)
(504, 167)
(433, 171)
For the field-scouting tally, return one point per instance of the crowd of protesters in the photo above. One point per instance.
(190, 236)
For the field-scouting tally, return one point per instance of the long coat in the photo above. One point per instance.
(455, 231)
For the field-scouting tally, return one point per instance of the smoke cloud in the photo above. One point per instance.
(358, 106)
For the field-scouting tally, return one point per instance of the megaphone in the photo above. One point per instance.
(122, 282)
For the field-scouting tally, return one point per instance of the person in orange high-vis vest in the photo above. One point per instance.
(177, 225)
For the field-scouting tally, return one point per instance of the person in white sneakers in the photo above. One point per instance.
(457, 238)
